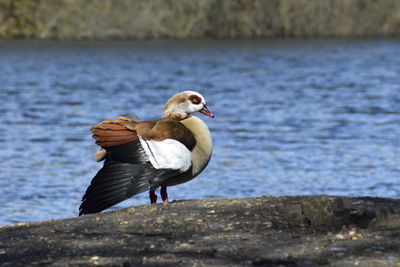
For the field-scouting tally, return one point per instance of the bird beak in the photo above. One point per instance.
(206, 112)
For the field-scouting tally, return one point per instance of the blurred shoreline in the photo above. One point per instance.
(179, 19)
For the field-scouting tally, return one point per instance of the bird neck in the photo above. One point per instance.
(175, 109)
(202, 151)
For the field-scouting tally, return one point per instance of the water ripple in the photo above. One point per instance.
(292, 117)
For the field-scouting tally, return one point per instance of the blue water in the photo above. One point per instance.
(293, 117)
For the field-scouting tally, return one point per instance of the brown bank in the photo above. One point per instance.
(264, 231)
(138, 19)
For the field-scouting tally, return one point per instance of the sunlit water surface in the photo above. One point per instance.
(298, 117)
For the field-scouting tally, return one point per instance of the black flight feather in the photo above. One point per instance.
(126, 172)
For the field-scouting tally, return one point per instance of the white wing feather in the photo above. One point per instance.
(167, 154)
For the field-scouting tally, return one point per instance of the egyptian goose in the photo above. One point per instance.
(143, 155)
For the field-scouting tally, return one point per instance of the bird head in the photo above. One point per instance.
(183, 104)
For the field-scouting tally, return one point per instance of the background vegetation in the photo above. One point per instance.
(137, 19)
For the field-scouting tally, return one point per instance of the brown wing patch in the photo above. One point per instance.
(166, 128)
(113, 133)
(120, 131)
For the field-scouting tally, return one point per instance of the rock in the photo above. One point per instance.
(264, 231)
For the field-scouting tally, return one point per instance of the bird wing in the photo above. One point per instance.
(126, 172)
(126, 129)
(137, 158)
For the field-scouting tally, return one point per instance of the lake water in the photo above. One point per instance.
(293, 117)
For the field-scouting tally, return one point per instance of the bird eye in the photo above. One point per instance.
(195, 99)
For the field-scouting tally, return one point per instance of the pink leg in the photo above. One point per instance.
(164, 194)
(153, 196)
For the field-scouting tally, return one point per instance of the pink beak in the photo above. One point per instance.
(206, 112)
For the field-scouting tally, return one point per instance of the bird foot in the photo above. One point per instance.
(153, 197)
(164, 194)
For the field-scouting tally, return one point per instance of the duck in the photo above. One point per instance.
(142, 156)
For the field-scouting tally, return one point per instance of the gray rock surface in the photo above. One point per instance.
(264, 231)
